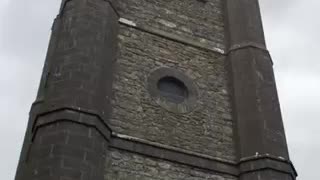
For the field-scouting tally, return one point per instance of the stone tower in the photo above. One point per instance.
(156, 89)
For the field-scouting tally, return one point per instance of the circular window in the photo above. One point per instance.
(172, 90)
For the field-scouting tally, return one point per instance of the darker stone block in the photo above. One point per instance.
(76, 129)
(86, 176)
(50, 162)
(56, 138)
(42, 172)
(67, 173)
(68, 151)
(41, 152)
(77, 164)
(80, 141)
(93, 158)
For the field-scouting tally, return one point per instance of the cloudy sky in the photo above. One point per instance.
(291, 28)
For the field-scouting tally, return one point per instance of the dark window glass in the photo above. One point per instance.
(172, 89)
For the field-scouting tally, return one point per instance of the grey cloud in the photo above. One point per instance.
(291, 30)
(25, 28)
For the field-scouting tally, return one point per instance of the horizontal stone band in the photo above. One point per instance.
(156, 150)
(171, 36)
(173, 154)
(79, 116)
(267, 161)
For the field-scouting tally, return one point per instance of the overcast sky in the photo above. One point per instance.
(291, 28)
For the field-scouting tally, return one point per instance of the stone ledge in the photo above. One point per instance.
(267, 161)
(244, 45)
(79, 116)
(132, 144)
(248, 45)
(172, 37)
(172, 154)
(160, 151)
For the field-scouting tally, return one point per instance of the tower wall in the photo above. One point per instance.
(201, 21)
(102, 113)
(188, 37)
(206, 129)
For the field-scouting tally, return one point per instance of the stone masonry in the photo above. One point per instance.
(102, 113)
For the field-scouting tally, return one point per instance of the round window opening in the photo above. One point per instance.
(172, 89)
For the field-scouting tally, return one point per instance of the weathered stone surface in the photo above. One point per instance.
(192, 19)
(128, 166)
(207, 129)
